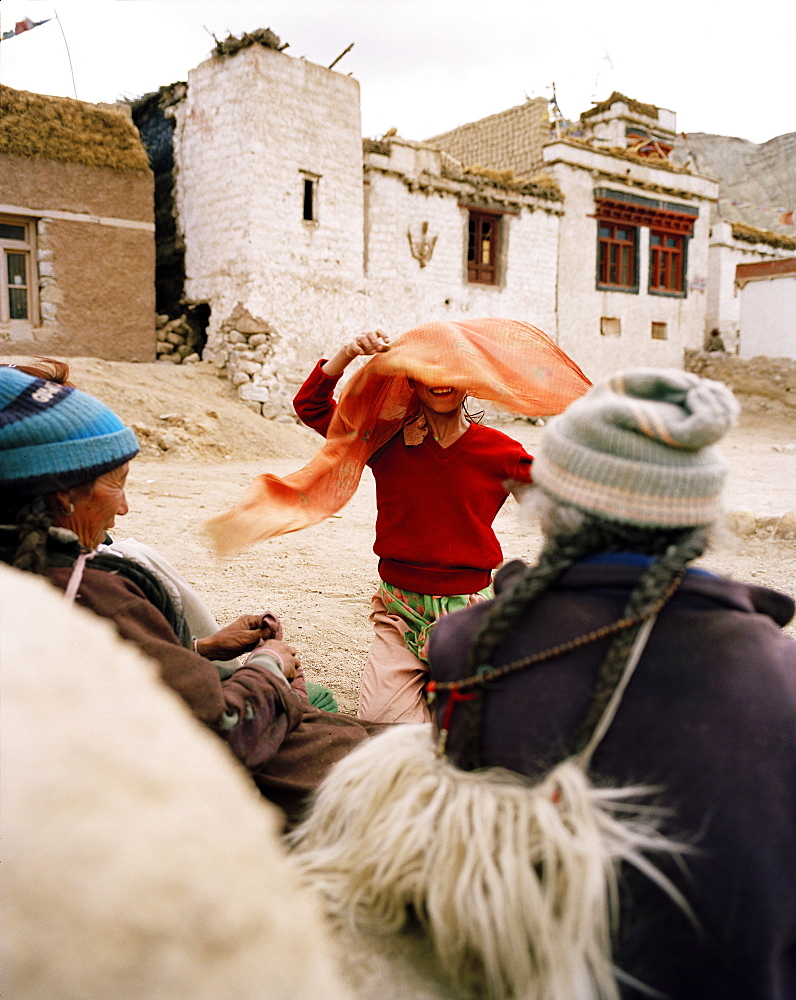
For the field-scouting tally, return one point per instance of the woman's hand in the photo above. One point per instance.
(239, 637)
(366, 344)
(285, 655)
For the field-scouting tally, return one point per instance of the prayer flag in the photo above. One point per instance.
(21, 26)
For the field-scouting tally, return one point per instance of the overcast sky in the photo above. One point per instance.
(426, 66)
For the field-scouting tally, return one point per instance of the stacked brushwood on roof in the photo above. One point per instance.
(59, 128)
(636, 107)
(261, 36)
(751, 234)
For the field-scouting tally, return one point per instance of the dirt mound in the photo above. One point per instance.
(187, 412)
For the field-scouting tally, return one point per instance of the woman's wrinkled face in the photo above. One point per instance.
(439, 398)
(97, 506)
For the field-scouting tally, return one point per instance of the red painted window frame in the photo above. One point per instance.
(618, 256)
(478, 271)
(667, 273)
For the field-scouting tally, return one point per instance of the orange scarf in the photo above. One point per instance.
(506, 362)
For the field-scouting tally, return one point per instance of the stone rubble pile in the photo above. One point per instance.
(244, 349)
(764, 377)
(744, 523)
(177, 341)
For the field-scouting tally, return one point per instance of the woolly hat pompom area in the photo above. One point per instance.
(54, 436)
(638, 449)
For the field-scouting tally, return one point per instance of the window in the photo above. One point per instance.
(17, 285)
(620, 216)
(482, 248)
(659, 331)
(610, 326)
(309, 196)
(616, 265)
(666, 262)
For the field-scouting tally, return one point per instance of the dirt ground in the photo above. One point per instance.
(201, 448)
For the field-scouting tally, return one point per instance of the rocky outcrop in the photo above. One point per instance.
(757, 182)
(763, 377)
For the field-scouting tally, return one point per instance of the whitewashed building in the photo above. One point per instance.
(296, 234)
(632, 252)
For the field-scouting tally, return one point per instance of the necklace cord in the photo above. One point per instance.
(487, 673)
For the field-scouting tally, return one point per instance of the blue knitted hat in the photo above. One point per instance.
(53, 437)
(638, 449)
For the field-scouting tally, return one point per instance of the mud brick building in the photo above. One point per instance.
(76, 230)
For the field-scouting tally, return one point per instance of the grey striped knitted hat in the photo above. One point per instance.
(637, 449)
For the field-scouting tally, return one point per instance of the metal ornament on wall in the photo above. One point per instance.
(423, 249)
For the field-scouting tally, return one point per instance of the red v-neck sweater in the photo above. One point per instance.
(435, 506)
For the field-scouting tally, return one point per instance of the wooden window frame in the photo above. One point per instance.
(646, 144)
(27, 248)
(617, 257)
(478, 271)
(667, 263)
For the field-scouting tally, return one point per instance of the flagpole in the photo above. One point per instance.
(68, 54)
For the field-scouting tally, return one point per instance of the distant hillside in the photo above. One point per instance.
(757, 183)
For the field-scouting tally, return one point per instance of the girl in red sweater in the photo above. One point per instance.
(440, 482)
(440, 479)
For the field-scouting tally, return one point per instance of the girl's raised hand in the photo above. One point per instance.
(374, 342)
(365, 344)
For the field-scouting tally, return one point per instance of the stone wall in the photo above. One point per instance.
(768, 378)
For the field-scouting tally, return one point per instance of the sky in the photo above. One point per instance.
(427, 66)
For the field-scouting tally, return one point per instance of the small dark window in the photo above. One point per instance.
(482, 248)
(310, 187)
(8, 232)
(659, 331)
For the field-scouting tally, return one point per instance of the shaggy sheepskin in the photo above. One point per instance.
(516, 885)
(139, 861)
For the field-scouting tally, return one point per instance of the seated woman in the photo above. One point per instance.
(64, 458)
(191, 609)
(517, 850)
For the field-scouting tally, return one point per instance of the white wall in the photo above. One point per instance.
(250, 130)
(401, 294)
(768, 317)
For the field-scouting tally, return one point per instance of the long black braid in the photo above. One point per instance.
(674, 550)
(34, 519)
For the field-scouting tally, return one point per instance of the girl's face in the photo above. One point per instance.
(439, 398)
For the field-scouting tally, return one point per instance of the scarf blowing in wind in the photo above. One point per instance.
(512, 364)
